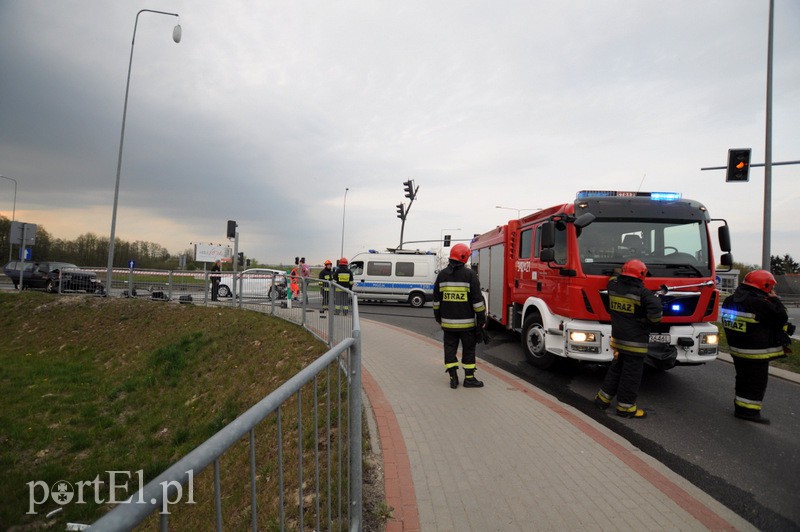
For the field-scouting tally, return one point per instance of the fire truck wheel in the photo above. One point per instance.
(533, 344)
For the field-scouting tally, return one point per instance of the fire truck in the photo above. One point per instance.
(545, 275)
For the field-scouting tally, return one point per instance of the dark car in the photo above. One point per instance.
(53, 276)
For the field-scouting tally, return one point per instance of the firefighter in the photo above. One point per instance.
(634, 309)
(458, 307)
(343, 278)
(756, 326)
(326, 275)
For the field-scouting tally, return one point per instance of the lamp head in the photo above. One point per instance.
(176, 33)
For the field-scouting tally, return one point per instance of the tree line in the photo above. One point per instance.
(92, 250)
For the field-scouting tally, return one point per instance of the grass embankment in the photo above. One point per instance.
(91, 385)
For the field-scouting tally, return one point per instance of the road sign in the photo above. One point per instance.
(131, 264)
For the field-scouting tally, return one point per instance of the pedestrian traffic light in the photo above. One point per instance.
(231, 229)
(447, 241)
(401, 211)
(240, 259)
(409, 188)
(738, 165)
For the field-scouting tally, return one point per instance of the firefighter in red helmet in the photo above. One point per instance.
(344, 278)
(459, 308)
(757, 329)
(634, 309)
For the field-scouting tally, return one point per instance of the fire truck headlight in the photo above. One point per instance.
(581, 336)
(708, 344)
(583, 341)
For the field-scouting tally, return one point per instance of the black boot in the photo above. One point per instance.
(747, 417)
(471, 382)
(453, 377)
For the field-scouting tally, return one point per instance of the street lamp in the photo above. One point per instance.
(515, 209)
(344, 206)
(13, 212)
(176, 36)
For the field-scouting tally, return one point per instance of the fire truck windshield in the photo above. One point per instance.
(669, 248)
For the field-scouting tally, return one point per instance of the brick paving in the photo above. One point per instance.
(509, 456)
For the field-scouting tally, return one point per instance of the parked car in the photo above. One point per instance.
(53, 276)
(256, 282)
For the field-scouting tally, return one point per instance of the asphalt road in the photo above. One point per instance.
(753, 469)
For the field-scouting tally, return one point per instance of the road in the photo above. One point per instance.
(753, 469)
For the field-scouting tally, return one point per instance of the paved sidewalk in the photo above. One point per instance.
(509, 456)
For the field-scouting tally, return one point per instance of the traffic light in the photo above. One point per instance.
(738, 165)
(409, 188)
(231, 229)
(401, 212)
(240, 259)
(447, 241)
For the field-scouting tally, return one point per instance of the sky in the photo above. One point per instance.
(301, 120)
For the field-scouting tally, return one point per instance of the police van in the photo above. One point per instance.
(398, 275)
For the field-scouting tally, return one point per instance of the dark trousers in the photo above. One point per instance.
(214, 290)
(325, 296)
(751, 384)
(451, 341)
(623, 378)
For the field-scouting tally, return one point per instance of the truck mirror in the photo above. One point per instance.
(548, 235)
(584, 219)
(726, 259)
(724, 238)
(547, 255)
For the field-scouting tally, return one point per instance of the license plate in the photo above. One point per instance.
(659, 338)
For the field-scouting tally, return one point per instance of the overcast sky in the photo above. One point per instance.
(267, 111)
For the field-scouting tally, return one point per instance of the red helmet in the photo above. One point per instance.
(634, 268)
(460, 252)
(761, 279)
(343, 261)
(327, 262)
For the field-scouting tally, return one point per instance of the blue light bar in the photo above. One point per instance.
(665, 196)
(655, 196)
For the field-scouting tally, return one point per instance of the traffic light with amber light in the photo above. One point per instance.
(409, 188)
(401, 212)
(738, 165)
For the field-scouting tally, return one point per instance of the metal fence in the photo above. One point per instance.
(329, 436)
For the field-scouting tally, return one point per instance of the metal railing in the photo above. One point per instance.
(332, 509)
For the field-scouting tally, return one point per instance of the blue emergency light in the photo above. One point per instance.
(655, 196)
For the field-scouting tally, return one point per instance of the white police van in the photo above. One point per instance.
(398, 275)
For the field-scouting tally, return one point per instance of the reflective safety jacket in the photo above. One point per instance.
(754, 324)
(634, 309)
(326, 275)
(343, 277)
(457, 299)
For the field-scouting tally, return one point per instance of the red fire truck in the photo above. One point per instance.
(545, 275)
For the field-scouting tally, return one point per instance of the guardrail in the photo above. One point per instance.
(331, 508)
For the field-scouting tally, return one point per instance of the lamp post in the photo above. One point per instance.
(344, 207)
(515, 209)
(176, 36)
(13, 211)
(765, 244)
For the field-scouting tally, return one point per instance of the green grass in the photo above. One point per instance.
(91, 385)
